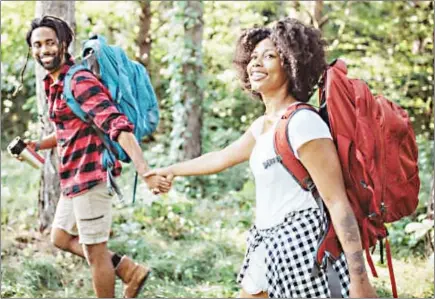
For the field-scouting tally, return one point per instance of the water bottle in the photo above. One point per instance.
(19, 149)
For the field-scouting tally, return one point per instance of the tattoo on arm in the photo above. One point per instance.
(350, 228)
(351, 237)
(356, 263)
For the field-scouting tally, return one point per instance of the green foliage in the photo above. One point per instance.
(421, 230)
(33, 277)
(194, 246)
(13, 286)
(180, 82)
(389, 44)
(194, 240)
(172, 218)
(426, 164)
(41, 274)
(111, 21)
(18, 194)
(15, 119)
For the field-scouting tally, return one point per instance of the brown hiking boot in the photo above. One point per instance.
(133, 275)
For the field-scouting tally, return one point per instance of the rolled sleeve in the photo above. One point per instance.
(120, 124)
(95, 101)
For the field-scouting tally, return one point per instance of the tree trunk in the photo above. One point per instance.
(193, 71)
(144, 38)
(318, 11)
(188, 93)
(49, 191)
(309, 12)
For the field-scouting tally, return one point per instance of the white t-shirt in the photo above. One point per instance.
(277, 193)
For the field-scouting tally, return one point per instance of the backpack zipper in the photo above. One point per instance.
(382, 208)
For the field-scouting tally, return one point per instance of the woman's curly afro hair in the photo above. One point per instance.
(301, 49)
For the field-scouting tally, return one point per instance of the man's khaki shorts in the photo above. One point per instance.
(88, 215)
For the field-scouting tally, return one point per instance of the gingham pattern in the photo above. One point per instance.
(290, 249)
(340, 267)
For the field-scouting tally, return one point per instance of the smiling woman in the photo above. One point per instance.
(281, 66)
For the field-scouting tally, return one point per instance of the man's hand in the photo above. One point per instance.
(44, 144)
(157, 183)
(30, 144)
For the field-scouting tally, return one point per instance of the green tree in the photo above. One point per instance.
(187, 84)
(144, 39)
(16, 115)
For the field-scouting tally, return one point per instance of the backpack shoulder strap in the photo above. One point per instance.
(108, 158)
(68, 95)
(284, 149)
(294, 167)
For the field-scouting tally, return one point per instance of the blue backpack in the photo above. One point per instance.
(131, 90)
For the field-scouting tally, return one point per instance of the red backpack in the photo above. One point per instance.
(378, 153)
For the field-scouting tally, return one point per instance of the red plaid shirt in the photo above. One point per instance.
(79, 147)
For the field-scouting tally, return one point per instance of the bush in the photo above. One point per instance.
(30, 278)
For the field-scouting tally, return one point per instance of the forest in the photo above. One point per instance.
(194, 237)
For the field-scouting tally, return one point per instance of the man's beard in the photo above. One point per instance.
(53, 65)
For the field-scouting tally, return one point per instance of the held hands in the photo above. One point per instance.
(160, 180)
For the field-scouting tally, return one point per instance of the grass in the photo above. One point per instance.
(414, 278)
(194, 247)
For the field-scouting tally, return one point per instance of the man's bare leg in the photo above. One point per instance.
(103, 273)
(66, 242)
(132, 274)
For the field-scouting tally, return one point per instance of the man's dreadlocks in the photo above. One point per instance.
(64, 33)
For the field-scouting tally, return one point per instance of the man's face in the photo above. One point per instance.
(46, 49)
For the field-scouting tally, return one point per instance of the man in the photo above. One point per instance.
(85, 204)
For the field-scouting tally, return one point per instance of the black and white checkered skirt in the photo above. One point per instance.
(290, 249)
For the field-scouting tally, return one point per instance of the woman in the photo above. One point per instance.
(281, 66)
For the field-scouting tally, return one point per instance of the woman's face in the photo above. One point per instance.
(265, 70)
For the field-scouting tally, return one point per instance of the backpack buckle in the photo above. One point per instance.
(310, 184)
(372, 215)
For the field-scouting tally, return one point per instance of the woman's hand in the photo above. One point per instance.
(362, 289)
(164, 171)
